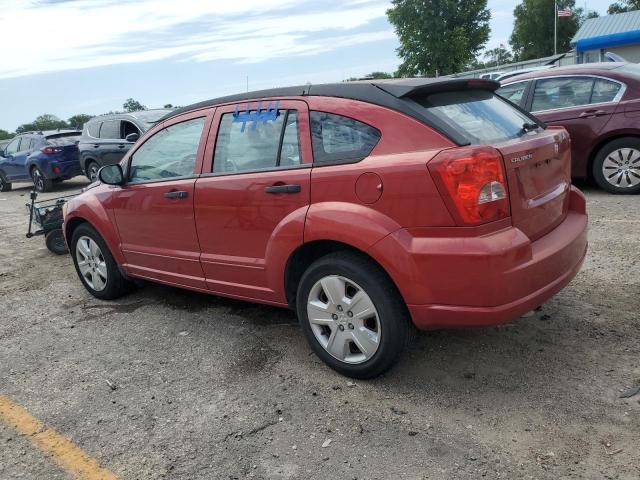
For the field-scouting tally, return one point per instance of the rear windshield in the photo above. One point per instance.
(480, 116)
(631, 69)
(64, 139)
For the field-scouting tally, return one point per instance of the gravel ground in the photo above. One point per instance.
(207, 387)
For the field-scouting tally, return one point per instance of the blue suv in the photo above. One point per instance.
(42, 157)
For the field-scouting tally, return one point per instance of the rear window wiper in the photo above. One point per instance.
(528, 127)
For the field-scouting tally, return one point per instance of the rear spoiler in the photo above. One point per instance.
(423, 86)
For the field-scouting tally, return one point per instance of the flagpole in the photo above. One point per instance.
(555, 27)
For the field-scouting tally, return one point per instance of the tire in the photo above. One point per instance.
(366, 342)
(92, 171)
(616, 167)
(40, 182)
(99, 272)
(4, 185)
(55, 242)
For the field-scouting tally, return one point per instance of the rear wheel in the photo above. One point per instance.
(4, 185)
(352, 315)
(40, 182)
(96, 267)
(616, 167)
(92, 170)
(55, 242)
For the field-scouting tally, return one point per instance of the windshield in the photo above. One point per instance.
(479, 115)
(150, 117)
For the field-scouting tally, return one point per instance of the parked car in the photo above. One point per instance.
(599, 104)
(107, 138)
(42, 157)
(363, 206)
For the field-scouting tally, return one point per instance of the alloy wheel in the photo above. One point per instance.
(344, 319)
(93, 171)
(621, 168)
(91, 263)
(38, 180)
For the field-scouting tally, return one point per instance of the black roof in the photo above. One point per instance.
(395, 94)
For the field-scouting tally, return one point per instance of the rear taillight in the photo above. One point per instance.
(51, 150)
(472, 181)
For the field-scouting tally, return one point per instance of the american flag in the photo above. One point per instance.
(564, 12)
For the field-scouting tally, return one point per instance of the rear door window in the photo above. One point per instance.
(336, 138)
(25, 144)
(561, 92)
(110, 129)
(480, 116)
(242, 147)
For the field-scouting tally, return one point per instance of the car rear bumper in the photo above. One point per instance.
(493, 279)
(64, 169)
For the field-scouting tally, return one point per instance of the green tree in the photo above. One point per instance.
(497, 56)
(532, 35)
(43, 122)
(131, 105)
(4, 135)
(168, 105)
(439, 37)
(623, 6)
(77, 121)
(371, 76)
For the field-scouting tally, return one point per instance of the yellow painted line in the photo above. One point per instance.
(64, 451)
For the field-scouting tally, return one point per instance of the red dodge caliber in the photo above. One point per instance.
(366, 207)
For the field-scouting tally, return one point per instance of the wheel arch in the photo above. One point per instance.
(307, 253)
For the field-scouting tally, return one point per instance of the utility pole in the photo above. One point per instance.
(555, 27)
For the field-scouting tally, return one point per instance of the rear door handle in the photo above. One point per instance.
(121, 146)
(176, 194)
(283, 189)
(592, 113)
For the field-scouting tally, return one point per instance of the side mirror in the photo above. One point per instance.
(111, 174)
(132, 137)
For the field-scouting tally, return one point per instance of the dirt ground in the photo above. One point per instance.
(205, 387)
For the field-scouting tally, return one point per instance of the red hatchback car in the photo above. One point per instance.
(365, 207)
(599, 105)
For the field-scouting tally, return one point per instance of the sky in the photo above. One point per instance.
(66, 57)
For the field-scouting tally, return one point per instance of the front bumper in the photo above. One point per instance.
(494, 278)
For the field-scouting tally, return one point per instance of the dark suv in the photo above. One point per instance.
(105, 139)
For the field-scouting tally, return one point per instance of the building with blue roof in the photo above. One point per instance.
(618, 34)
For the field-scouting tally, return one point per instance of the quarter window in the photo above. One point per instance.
(513, 92)
(170, 153)
(257, 146)
(93, 129)
(341, 139)
(563, 92)
(604, 91)
(110, 129)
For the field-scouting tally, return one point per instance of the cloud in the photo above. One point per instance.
(66, 35)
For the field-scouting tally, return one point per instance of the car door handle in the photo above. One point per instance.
(121, 146)
(176, 194)
(592, 113)
(283, 189)
(96, 146)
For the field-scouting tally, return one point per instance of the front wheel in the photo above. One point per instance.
(4, 185)
(40, 182)
(92, 171)
(616, 167)
(352, 315)
(96, 267)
